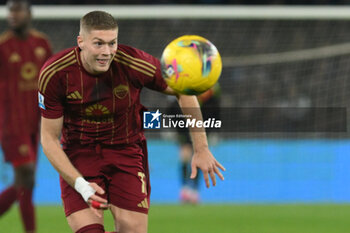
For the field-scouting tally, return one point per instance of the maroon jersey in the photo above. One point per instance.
(20, 63)
(101, 108)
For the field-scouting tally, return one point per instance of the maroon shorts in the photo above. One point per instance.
(121, 170)
(20, 149)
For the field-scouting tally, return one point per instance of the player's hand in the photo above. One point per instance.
(97, 203)
(204, 160)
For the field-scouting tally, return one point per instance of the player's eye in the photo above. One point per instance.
(98, 43)
(112, 43)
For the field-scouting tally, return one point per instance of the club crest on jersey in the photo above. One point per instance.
(121, 91)
(41, 101)
(29, 71)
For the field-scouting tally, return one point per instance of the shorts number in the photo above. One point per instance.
(142, 178)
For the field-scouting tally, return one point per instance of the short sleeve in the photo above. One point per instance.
(50, 95)
(156, 82)
(146, 68)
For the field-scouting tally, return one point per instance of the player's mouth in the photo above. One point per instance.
(13, 22)
(103, 61)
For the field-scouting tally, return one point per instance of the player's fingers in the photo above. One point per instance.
(212, 176)
(219, 165)
(95, 204)
(98, 189)
(217, 171)
(206, 179)
(194, 172)
(98, 205)
(98, 199)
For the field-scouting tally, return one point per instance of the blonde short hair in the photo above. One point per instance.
(98, 20)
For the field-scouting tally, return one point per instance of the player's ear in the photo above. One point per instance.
(80, 42)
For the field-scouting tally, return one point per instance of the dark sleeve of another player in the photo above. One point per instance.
(51, 94)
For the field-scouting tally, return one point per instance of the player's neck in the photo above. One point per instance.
(85, 64)
(21, 33)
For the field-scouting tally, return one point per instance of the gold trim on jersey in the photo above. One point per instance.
(136, 59)
(50, 70)
(134, 67)
(127, 114)
(98, 97)
(77, 55)
(58, 68)
(135, 63)
(42, 75)
(113, 106)
(82, 99)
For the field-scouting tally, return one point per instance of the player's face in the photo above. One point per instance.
(18, 15)
(98, 48)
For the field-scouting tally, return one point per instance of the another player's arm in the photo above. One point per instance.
(202, 157)
(50, 134)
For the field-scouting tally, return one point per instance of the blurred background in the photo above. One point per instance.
(280, 61)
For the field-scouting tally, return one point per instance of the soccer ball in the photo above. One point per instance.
(191, 65)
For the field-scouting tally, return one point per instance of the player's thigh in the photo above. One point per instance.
(129, 187)
(127, 221)
(82, 218)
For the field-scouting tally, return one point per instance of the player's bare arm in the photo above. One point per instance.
(202, 157)
(50, 135)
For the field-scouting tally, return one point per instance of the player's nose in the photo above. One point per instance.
(107, 51)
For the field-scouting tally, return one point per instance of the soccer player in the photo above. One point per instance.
(23, 51)
(209, 102)
(90, 96)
